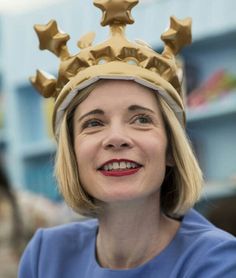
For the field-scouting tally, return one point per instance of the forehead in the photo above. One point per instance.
(119, 93)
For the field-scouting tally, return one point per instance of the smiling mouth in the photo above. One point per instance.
(120, 168)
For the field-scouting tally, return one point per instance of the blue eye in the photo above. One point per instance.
(142, 119)
(91, 123)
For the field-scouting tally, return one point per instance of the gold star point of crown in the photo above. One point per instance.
(178, 35)
(51, 38)
(117, 14)
(116, 11)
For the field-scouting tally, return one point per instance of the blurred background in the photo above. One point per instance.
(27, 147)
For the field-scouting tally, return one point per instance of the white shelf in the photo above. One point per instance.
(38, 148)
(225, 106)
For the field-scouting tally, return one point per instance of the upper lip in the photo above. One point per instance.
(119, 160)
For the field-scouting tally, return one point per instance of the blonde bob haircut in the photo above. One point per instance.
(182, 184)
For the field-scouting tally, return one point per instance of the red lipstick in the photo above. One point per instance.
(120, 171)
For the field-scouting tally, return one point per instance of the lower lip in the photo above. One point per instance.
(120, 173)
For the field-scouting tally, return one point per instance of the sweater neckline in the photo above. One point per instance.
(156, 260)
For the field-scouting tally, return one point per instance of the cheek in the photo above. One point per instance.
(83, 157)
(81, 152)
(157, 155)
(85, 150)
(155, 146)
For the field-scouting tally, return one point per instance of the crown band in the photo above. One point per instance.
(173, 101)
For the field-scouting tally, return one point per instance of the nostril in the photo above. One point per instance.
(110, 146)
(125, 145)
(117, 141)
(117, 145)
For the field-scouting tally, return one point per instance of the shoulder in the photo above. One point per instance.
(67, 235)
(57, 244)
(194, 224)
(77, 228)
(210, 252)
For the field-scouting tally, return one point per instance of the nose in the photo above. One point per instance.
(117, 140)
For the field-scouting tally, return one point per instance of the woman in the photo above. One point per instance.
(123, 158)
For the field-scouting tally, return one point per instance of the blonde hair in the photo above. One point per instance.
(66, 169)
(182, 184)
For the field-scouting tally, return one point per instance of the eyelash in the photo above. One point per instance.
(88, 123)
(143, 116)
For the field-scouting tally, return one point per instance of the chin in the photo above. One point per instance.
(121, 196)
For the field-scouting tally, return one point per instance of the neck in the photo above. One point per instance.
(131, 234)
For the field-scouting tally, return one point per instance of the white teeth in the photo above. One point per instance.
(122, 165)
(116, 166)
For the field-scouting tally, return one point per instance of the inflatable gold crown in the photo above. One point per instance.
(116, 58)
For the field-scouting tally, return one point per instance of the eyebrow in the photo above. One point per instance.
(132, 108)
(93, 112)
(136, 107)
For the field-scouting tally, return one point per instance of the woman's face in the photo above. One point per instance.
(120, 142)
